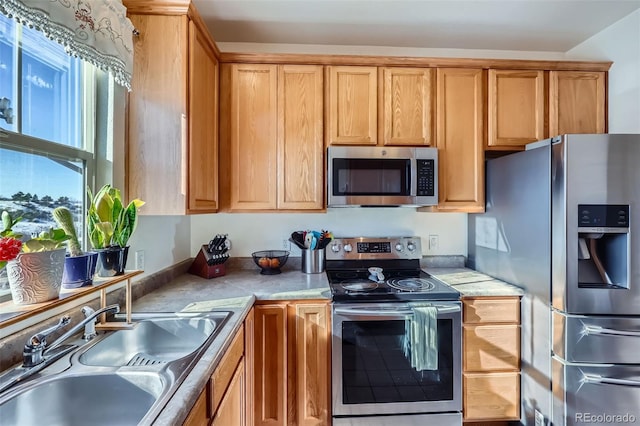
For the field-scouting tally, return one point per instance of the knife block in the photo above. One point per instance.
(201, 268)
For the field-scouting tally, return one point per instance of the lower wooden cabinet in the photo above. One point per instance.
(223, 400)
(491, 359)
(291, 367)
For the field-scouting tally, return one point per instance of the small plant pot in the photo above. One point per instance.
(79, 270)
(36, 277)
(112, 261)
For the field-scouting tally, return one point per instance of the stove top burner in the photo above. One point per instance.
(411, 284)
(359, 286)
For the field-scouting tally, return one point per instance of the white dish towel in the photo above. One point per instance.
(421, 337)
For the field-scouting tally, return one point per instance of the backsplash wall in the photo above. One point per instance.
(251, 232)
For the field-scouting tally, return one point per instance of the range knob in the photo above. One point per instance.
(335, 247)
(348, 248)
(399, 247)
(411, 246)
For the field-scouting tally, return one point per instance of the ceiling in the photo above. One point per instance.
(540, 25)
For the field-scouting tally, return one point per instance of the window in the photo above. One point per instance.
(46, 122)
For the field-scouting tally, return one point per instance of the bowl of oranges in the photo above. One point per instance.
(270, 261)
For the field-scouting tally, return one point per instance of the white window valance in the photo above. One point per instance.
(97, 31)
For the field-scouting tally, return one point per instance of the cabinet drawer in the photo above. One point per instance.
(224, 372)
(494, 396)
(490, 310)
(491, 347)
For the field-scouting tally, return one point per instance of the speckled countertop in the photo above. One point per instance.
(238, 290)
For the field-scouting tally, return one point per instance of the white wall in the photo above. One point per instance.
(251, 232)
(619, 43)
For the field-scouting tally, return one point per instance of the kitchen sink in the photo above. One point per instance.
(91, 399)
(122, 377)
(155, 340)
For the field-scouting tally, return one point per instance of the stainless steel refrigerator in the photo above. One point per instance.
(562, 221)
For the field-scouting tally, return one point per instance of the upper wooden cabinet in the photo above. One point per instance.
(516, 108)
(460, 139)
(577, 102)
(272, 137)
(407, 106)
(172, 134)
(352, 108)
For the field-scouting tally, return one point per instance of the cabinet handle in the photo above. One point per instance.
(593, 378)
(597, 330)
(184, 153)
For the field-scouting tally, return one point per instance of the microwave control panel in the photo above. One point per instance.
(425, 177)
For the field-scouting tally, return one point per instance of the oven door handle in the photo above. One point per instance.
(389, 312)
(597, 330)
(593, 378)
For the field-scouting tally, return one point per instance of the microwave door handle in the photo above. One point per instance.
(601, 331)
(593, 378)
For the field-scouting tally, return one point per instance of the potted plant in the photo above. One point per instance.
(110, 225)
(79, 266)
(34, 267)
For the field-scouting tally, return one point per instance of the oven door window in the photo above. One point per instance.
(376, 370)
(362, 176)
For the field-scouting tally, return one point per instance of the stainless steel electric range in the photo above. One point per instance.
(376, 286)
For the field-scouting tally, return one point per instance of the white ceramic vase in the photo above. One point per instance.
(36, 277)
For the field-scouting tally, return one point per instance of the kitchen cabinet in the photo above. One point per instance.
(272, 140)
(516, 108)
(577, 102)
(491, 358)
(172, 122)
(407, 106)
(460, 139)
(292, 364)
(223, 400)
(352, 105)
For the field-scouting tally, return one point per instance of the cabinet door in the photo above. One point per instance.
(157, 114)
(300, 137)
(460, 140)
(203, 124)
(407, 106)
(491, 347)
(198, 415)
(577, 102)
(252, 136)
(353, 105)
(249, 361)
(231, 411)
(516, 108)
(270, 365)
(309, 336)
(491, 396)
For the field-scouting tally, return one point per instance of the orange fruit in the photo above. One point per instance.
(275, 263)
(264, 262)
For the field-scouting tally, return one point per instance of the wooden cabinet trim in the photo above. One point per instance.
(199, 413)
(224, 371)
(406, 61)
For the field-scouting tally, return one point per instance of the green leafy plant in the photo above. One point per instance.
(63, 217)
(109, 222)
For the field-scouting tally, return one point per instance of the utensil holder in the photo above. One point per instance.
(312, 261)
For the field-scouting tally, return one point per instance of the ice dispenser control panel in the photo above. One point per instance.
(603, 216)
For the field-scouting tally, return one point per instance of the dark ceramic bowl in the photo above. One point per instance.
(270, 261)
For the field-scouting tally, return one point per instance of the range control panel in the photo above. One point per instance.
(361, 248)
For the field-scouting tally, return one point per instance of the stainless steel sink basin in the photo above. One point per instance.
(96, 399)
(124, 377)
(156, 340)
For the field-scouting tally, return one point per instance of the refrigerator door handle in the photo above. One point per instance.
(592, 378)
(597, 330)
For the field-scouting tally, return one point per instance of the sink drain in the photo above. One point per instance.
(144, 359)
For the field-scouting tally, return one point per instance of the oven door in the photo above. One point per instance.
(371, 374)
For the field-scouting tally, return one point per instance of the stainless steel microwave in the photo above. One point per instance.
(382, 176)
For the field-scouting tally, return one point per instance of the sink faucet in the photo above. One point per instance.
(37, 354)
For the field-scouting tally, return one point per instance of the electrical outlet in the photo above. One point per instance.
(286, 245)
(433, 242)
(140, 259)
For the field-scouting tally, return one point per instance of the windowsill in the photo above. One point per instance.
(11, 313)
